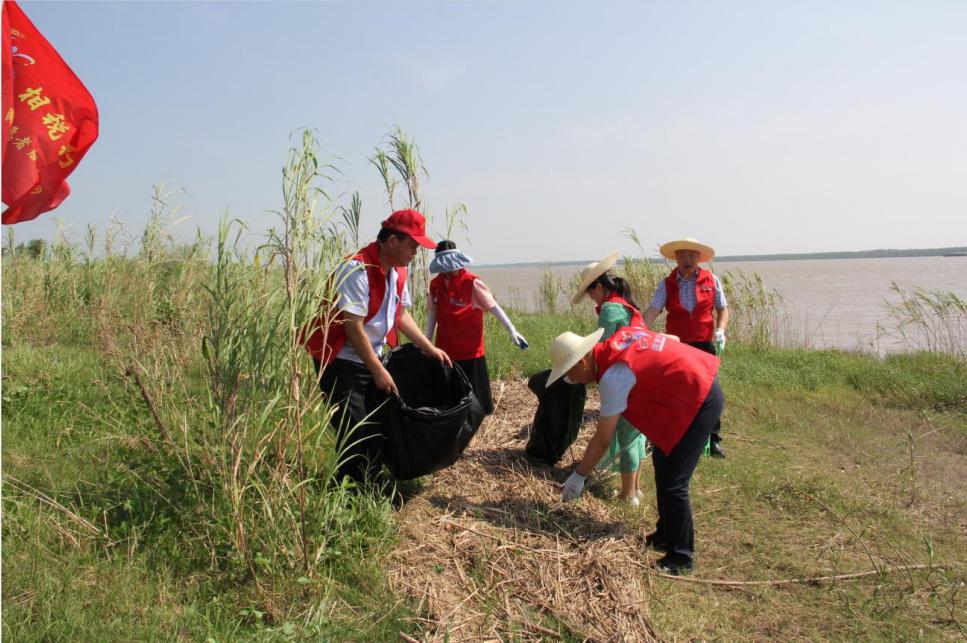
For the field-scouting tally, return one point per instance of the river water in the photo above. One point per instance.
(834, 303)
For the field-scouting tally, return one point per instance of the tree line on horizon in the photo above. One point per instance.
(849, 254)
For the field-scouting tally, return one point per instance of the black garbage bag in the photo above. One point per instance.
(560, 409)
(430, 423)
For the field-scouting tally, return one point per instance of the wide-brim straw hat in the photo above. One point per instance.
(591, 272)
(705, 253)
(567, 349)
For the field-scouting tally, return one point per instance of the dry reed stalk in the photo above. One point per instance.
(500, 557)
(810, 580)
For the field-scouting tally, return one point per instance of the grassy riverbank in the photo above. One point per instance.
(837, 464)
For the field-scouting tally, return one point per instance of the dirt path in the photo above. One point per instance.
(488, 552)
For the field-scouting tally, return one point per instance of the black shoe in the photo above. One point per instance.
(715, 450)
(673, 567)
(651, 540)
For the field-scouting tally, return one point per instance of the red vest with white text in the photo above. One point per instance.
(636, 318)
(325, 343)
(460, 326)
(698, 325)
(672, 381)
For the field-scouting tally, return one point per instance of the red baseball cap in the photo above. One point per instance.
(412, 223)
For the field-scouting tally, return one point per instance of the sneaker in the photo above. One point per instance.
(651, 540)
(633, 501)
(673, 567)
(715, 450)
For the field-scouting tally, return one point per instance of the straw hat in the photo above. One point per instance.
(705, 253)
(567, 350)
(591, 272)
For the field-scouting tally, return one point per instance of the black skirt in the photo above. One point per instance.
(476, 372)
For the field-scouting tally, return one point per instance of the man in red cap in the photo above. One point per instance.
(373, 298)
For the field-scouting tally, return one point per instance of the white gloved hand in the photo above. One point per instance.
(573, 486)
(719, 340)
(519, 340)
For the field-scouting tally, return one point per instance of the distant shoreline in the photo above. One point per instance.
(960, 251)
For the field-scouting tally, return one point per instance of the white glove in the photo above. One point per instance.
(719, 340)
(515, 337)
(573, 486)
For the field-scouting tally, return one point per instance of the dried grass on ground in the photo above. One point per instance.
(489, 552)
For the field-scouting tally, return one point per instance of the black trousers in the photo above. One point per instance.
(709, 347)
(358, 442)
(673, 473)
(476, 371)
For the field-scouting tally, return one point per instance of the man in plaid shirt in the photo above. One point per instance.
(691, 294)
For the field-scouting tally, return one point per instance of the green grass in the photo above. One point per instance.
(69, 434)
(820, 445)
(505, 358)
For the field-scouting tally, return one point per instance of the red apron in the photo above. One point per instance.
(460, 326)
(325, 343)
(673, 379)
(698, 325)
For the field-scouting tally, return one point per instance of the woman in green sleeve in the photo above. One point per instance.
(616, 308)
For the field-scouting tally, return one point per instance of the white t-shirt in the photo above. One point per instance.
(354, 298)
(614, 387)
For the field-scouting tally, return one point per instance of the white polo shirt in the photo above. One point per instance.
(614, 387)
(354, 298)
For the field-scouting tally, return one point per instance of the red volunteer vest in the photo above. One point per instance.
(325, 343)
(460, 326)
(673, 379)
(697, 326)
(636, 318)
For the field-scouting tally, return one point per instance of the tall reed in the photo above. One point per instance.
(398, 162)
(218, 381)
(930, 320)
(641, 273)
(756, 312)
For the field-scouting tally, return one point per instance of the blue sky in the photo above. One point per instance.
(757, 127)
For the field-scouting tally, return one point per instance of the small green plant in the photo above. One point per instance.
(549, 291)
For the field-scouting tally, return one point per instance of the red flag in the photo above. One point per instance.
(49, 120)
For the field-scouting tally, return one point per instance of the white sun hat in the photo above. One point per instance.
(449, 261)
(705, 253)
(567, 349)
(591, 272)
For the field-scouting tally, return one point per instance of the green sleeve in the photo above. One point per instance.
(613, 316)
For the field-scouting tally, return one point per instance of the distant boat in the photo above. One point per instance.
(956, 254)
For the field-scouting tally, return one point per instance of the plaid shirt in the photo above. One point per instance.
(687, 294)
